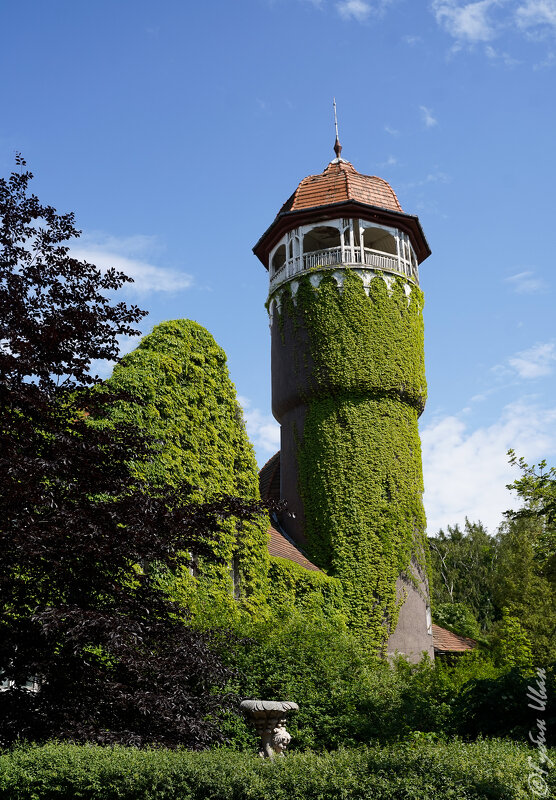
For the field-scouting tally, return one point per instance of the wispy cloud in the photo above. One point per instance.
(466, 471)
(468, 22)
(391, 131)
(432, 177)
(428, 117)
(129, 255)
(262, 429)
(361, 10)
(526, 282)
(391, 161)
(354, 9)
(535, 14)
(412, 40)
(536, 362)
(501, 56)
(479, 22)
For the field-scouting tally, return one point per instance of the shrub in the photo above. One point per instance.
(459, 618)
(500, 706)
(347, 697)
(496, 770)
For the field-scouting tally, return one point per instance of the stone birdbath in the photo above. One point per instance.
(269, 719)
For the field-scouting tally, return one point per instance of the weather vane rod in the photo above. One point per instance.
(337, 145)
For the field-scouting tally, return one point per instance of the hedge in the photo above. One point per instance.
(494, 769)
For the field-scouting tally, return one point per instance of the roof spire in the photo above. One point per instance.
(337, 145)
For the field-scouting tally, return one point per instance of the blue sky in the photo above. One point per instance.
(176, 130)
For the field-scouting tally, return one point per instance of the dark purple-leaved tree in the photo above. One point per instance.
(90, 648)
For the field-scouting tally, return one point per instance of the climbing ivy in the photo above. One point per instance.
(188, 403)
(294, 587)
(359, 457)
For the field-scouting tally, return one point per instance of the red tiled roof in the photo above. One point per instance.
(339, 182)
(269, 478)
(281, 547)
(447, 642)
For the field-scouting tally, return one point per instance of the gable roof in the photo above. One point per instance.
(269, 478)
(280, 544)
(282, 547)
(445, 641)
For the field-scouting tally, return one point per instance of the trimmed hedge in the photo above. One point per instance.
(496, 769)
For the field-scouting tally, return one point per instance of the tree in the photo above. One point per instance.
(81, 535)
(183, 395)
(525, 573)
(462, 564)
(537, 488)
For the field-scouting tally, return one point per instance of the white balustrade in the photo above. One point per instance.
(336, 256)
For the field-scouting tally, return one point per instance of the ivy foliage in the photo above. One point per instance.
(294, 587)
(359, 456)
(184, 398)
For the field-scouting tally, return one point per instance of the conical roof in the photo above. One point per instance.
(339, 182)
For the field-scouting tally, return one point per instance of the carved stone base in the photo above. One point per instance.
(269, 719)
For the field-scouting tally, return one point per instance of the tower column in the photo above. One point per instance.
(348, 386)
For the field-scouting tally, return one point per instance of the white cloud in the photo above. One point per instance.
(466, 471)
(391, 161)
(468, 22)
(428, 118)
(536, 362)
(536, 13)
(128, 254)
(354, 9)
(411, 40)
(525, 282)
(497, 55)
(481, 21)
(262, 429)
(391, 131)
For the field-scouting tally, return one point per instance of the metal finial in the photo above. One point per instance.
(337, 145)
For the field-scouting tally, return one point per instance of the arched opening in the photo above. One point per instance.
(379, 239)
(278, 259)
(321, 238)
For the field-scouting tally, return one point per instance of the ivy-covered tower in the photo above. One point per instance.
(348, 387)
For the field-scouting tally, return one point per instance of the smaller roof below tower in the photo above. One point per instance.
(339, 182)
(445, 641)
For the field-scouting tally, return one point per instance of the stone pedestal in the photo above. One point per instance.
(269, 719)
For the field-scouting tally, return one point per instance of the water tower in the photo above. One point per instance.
(348, 387)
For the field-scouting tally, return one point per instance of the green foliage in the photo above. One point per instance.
(487, 770)
(459, 618)
(348, 697)
(502, 705)
(477, 575)
(537, 487)
(294, 587)
(313, 659)
(184, 398)
(523, 588)
(463, 568)
(512, 646)
(359, 458)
